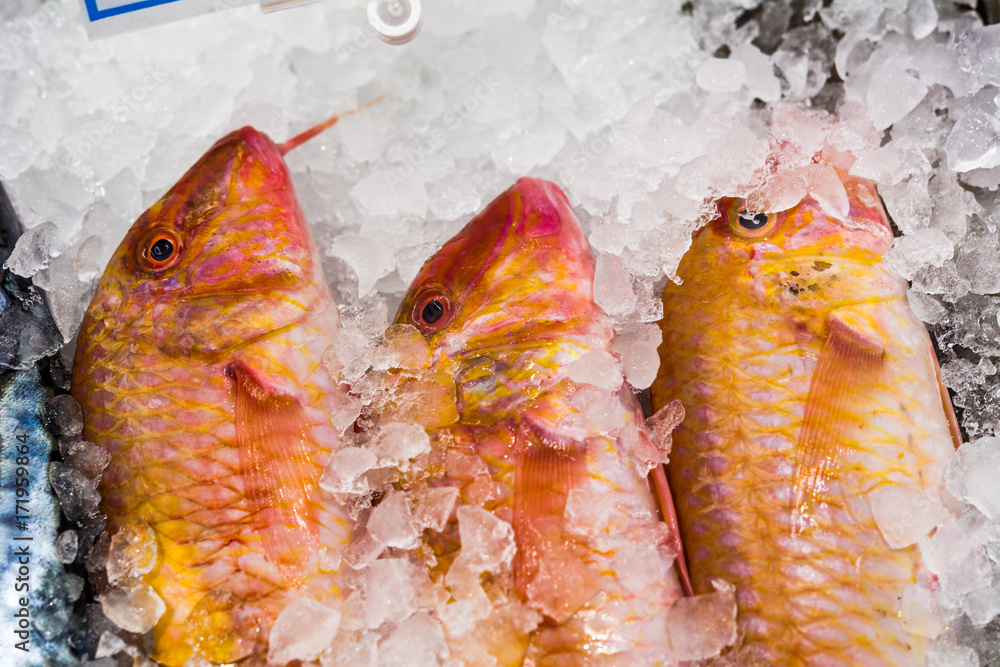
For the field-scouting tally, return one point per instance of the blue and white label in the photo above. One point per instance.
(110, 17)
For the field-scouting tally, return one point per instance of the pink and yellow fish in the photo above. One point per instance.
(199, 369)
(507, 309)
(817, 430)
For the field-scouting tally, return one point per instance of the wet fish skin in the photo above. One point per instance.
(514, 310)
(201, 375)
(808, 384)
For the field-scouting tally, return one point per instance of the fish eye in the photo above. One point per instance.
(160, 250)
(431, 312)
(751, 224)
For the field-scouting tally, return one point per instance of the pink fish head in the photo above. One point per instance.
(224, 257)
(518, 274)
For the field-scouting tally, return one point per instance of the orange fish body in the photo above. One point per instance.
(815, 424)
(507, 309)
(198, 369)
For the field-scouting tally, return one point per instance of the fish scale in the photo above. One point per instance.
(204, 380)
(744, 336)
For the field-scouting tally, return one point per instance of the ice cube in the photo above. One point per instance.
(949, 655)
(390, 591)
(972, 473)
(982, 606)
(85, 457)
(597, 368)
(700, 627)
(397, 444)
(926, 307)
(974, 142)
(892, 94)
(109, 645)
(487, 541)
(912, 252)
(661, 425)
(919, 613)
(416, 642)
(303, 629)
(432, 507)
(613, 286)
(66, 546)
(64, 416)
(403, 346)
(344, 473)
(721, 75)
(760, 78)
(33, 250)
(132, 553)
(369, 258)
(77, 495)
(904, 514)
(135, 609)
(391, 193)
(391, 522)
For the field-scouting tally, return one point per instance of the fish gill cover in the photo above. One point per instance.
(644, 113)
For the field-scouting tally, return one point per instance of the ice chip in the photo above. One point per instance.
(132, 553)
(64, 416)
(912, 252)
(700, 627)
(892, 93)
(949, 655)
(109, 645)
(369, 258)
(487, 541)
(919, 613)
(721, 75)
(391, 522)
(662, 423)
(398, 444)
(432, 507)
(974, 142)
(403, 346)
(303, 629)
(972, 475)
(613, 286)
(904, 514)
(597, 368)
(416, 642)
(33, 250)
(135, 609)
(982, 606)
(343, 474)
(827, 189)
(760, 78)
(391, 193)
(564, 583)
(66, 546)
(390, 591)
(77, 494)
(86, 457)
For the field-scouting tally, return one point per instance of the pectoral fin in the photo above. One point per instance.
(546, 472)
(274, 458)
(850, 366)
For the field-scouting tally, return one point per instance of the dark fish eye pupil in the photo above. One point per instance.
(432, 312)
(161, 250)
(752, 221)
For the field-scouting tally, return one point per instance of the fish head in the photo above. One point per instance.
(223, 258)
(862, 235)
(514, 284)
